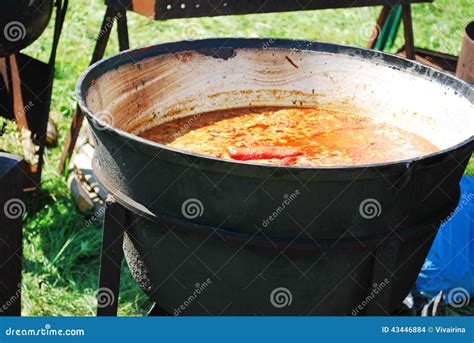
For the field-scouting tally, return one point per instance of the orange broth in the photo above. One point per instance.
(291, 136)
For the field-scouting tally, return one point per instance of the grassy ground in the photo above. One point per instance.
(61, 253)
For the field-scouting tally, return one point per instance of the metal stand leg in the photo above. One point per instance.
(99, 50)
(385, 260)
(408, 28)
(122, 30)
(115, 224)
(61, 10)
(12, 209)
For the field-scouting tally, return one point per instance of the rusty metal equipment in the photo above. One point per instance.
(26, 83)
(465, 69)
(341, 254)
(164, 10)
(435, 59)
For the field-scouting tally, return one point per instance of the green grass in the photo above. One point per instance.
(61, 253)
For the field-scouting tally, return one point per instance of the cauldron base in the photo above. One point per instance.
(115, 226)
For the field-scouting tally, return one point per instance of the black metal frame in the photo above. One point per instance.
(115, 225)
(28, 80)
(110, 15)
(163, 10)
(11, 185)
(117, 220)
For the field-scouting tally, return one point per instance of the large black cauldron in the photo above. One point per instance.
(273, 239)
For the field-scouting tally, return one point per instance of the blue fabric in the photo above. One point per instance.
(450, 262)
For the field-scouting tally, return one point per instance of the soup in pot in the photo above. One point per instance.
(291, 136)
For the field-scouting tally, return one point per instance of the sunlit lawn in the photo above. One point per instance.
(61, 253)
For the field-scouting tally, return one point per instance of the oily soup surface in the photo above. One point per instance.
(290, 136)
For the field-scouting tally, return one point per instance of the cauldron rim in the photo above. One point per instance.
(101, 67)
